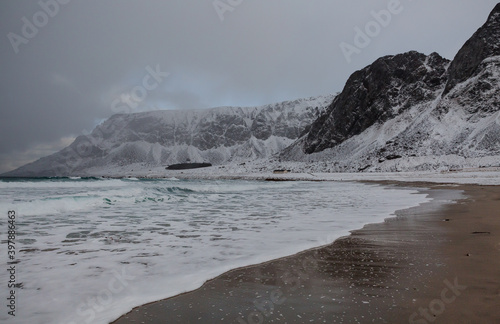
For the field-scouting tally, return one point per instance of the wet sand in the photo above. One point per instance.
(436, 263)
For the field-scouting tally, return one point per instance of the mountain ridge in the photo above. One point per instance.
(159, 138)
(404, 112)
(376, 94)
(482, 44)
(458, 118)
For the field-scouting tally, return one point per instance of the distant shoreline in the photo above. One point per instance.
(480, 176)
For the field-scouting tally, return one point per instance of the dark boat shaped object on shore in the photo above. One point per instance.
(186, 166)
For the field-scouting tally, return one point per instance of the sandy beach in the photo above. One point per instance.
(436, 263)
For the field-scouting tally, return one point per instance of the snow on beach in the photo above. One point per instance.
(317, 171)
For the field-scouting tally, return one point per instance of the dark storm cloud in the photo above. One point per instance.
(81, 59)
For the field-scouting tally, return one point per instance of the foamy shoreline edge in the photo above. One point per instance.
(403, 181)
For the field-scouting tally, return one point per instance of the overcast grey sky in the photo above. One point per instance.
(68, 64)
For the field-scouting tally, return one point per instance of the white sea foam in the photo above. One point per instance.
(91, 250)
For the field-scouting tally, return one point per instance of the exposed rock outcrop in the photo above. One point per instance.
(376, 94)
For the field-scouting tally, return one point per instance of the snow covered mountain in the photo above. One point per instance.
(414, 112)
(402, 113)
(159, 138)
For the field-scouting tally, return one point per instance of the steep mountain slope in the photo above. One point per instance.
(160, 138)
(419, 115)
(376, 94)
(483, 44)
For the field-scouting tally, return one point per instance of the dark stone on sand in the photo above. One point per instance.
(186, 166)
(364, 168)
(393, 157)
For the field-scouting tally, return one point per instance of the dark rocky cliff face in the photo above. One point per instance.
(392, 84)
(377, 93)
(483, 44)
